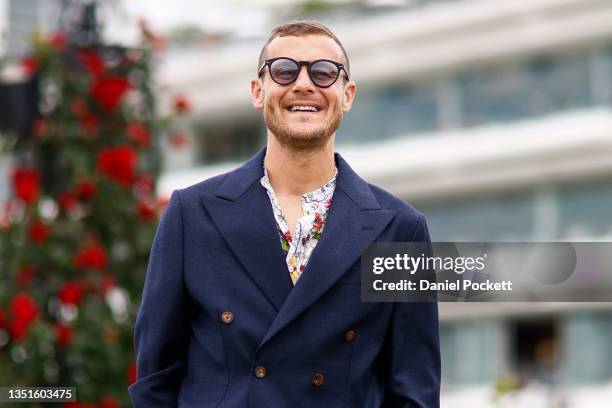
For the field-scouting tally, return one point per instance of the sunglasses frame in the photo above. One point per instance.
(308, 64)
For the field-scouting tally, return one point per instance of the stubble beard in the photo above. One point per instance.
(301, 141)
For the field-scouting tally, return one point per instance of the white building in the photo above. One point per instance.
(20, 18)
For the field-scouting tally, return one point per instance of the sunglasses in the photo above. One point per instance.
(323, 73)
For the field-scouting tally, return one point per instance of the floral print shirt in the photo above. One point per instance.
(308, 229)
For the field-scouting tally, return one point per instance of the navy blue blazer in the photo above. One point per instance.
(221, 324)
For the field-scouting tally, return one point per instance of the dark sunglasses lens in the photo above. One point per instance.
(324, 73)
(284, 71)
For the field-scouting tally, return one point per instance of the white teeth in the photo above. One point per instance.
(304, 108)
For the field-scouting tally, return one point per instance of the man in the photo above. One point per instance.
(252, 294)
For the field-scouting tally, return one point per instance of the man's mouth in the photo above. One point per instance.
(304, 108)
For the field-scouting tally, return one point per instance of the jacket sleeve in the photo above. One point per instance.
(413, 363)
(163, 320)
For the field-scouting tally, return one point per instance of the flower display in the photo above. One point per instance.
(80, 218)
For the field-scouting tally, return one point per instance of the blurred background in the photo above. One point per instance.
(492, 117)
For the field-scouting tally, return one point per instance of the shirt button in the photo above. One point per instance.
(318, 379)
(349, 335)
(227, 317)
(260, 371)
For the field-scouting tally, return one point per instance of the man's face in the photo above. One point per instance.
(303, 130)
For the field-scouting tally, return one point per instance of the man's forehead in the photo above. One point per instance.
(308, 48)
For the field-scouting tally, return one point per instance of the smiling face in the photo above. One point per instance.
(301, 115)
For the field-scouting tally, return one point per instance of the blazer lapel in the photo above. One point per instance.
(242, 212)
(354, 219)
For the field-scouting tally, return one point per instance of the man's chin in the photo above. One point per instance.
(304, 140)
(310, 134)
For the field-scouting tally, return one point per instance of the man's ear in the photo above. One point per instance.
(350, 89)
(257, 94)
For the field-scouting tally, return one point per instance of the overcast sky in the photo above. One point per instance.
(215, 15)
(242, 17)
(239, 16)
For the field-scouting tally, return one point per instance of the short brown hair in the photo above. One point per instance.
(301, 28)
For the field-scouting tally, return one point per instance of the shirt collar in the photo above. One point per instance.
(318, 194)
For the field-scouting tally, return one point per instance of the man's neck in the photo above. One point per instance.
(297, 172)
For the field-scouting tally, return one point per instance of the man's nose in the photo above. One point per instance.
(303, 82)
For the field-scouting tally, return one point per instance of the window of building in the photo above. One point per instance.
(535, 350)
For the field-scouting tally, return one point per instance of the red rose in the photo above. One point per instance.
(138, 134)
(58, 40)
(108, 91)
(24, 312)
(71, 293)
(63, 334)
(67, 201)
(146, 210)
(90, 122)
(26, 184)
(181, 104)
(29, 65)
(25, 275)
(85, 189)
(38, 232)
(132, 373)
(118, 163)
(179, 140)
(23, 307)
(92, 61)
(91, 257)
(108, 401)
